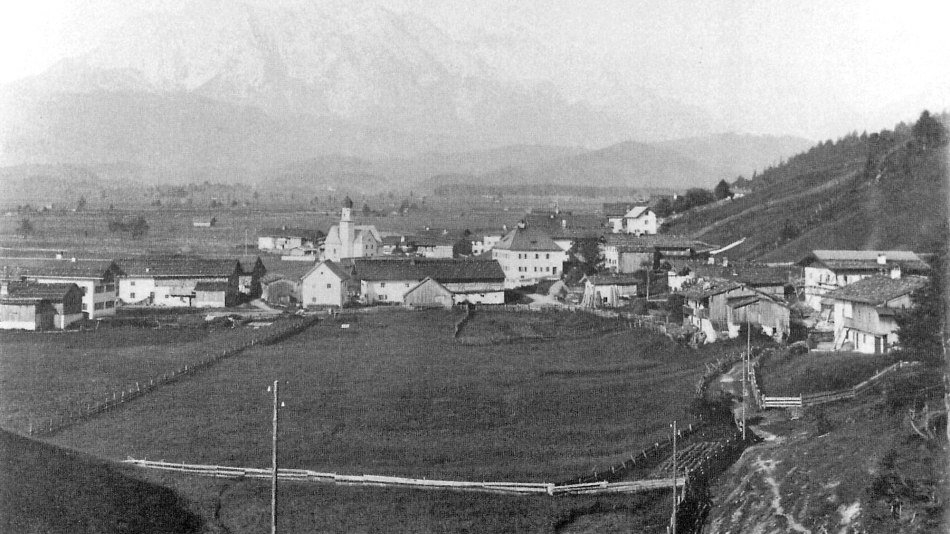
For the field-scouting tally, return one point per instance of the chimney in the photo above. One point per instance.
(881, 258)
(896, 272)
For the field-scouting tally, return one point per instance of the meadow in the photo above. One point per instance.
(394, 394)
(816, 372)
(43, 374)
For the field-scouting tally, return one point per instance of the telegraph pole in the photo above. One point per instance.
(675, 504)
(273, 488)
(745, 371)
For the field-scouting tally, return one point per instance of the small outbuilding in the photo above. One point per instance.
(429, 294)
(211, 295)
(608, 291)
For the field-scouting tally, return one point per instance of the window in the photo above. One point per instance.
(131, 295)
(537, 256)
(110, 288)
(547, 256)
(407, 284)
(132, 282)
(382, 297)
(110, 304)
(848, 310)
(99, 306)
(85, 306)
(382, 284)
(329, 286)
(313, 299)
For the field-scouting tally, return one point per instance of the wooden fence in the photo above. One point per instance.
(509, 488)
(814, 399)
(75, 414)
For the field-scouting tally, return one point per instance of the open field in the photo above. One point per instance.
(42, 374)
(815, 372)
(368, 400)
(496, 327)
(48, 490)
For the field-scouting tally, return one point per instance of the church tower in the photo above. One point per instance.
(347, 231)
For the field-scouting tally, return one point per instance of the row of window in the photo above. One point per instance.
(108, 288)
(536, 269)
(99, 305)
(537, 256)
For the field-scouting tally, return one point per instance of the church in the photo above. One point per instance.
(349, 240)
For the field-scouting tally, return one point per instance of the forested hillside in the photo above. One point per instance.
(885, 190)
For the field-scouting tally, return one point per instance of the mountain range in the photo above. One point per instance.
(259, 88)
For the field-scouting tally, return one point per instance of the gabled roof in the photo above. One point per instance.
(866, 260)
(285, 231)
(428, 281)
(32, 291)
(441, 270)
(79, 269)
(211, 286)
(341, 271)
(877, 290)
(753, 274)
(711, 288)
(612, 279)
(620, 209)
(178, 267)
(333, 234)
(631, 242)
(527, 239)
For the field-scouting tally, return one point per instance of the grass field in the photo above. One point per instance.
(41, 374)
(819, 371)
(394, 394)
(47, 490)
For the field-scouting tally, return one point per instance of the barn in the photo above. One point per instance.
(429, 294)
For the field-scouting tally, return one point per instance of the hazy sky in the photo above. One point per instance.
(809, 68)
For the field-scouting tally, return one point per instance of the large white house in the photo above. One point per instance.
(327, 284)
(348, 240)
(827, 270)
(176, 281)
(528, 255)
(96, 280)
(636, 219)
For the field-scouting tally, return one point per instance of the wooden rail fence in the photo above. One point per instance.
(814, 399)
(82, 412)
(510, 488)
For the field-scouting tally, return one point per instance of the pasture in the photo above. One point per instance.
(815, 372)
(42, 374)
(395, 395)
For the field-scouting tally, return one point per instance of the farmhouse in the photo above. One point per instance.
(707, 306)
(625, 253)
(773, 316)
(527, 255)
(286, 239)
(347, 240)
(630, 218)
(329, 283)
(204, 222)
(827, 270)
(433, 247)
(173, 281)
(280, 291)
(96, 280)
(865, 311)
(34, 306)
(608, 290)
(388, 280)
(429, 294)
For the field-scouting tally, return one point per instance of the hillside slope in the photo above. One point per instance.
(44, 489)
(887, 190)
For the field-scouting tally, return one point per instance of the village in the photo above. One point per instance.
(830, 300)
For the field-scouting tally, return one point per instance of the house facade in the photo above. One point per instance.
(286, 239)
(386, 281)
(172, 281)
(327, 284)
(631, 218)
(96, 280)
(828, 270)
(608, 290)
(865, 312)
(528, 256)
(34, 306)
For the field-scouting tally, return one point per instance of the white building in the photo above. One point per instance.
(96, 280)
(388, 280)
(288, 239)
(630, 219)
(327, 284)
(827, 270)
(527, 256)
(173, 281)
(865, 312)
(348, 240)
(484, 243)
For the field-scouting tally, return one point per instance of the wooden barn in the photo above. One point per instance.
(429, 294)
(33, 306)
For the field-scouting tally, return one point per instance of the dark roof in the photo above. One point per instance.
(211, 286)
(866, 260)
(441, 270)
(753, 274)
(744, 300)
(32, 291)
(619, 209)
(878, 290)
(179, 267)
(527, 239)
(631, 242)
(711, 288)
(612, 279)
(94, 269)
(342, 271)
(286, 231)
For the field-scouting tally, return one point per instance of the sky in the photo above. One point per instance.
(812, 68)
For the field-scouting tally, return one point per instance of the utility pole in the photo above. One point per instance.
(273, 488)
(675, 503)
(245, 241)
(745, 371)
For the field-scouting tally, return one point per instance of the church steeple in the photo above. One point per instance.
(347, 231)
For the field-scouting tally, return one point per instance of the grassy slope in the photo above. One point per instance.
(821, 473)
(43, 374)
(48, 490)
(385, 405)
(833, 203)
(816, 371)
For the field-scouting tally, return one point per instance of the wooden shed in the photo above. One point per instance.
(428, 294)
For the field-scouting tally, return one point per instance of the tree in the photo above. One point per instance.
(663, 207)
(366, 210)
(928, 131)
(722, 190)
(139, 227)
(587, 252)
(25, 228)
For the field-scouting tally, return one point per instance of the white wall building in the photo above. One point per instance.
(527, 256)
(348, 240)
